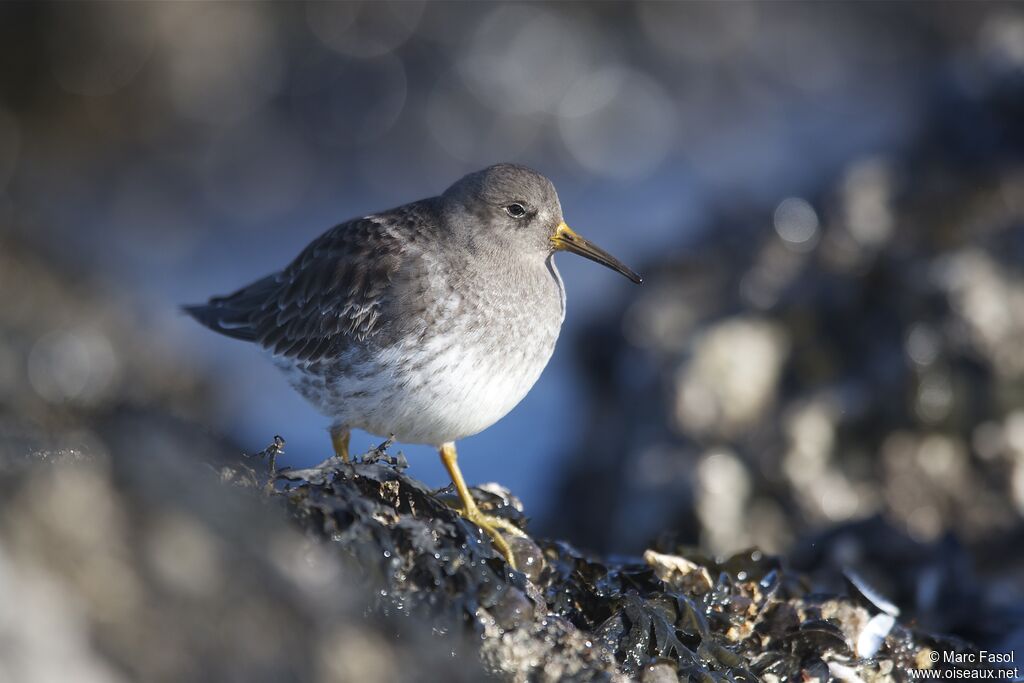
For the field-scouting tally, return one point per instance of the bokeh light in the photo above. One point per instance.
(522, 58)
(618, 123)
(364, 29)
(796, 223)
(96, 51)
(223, 61)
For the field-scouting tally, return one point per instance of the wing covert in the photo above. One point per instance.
(333, 293)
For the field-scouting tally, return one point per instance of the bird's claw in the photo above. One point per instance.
(493, 525)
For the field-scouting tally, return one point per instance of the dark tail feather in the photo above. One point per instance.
(232, 315)
(218, 319)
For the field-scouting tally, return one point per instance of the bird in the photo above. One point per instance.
(426, 323)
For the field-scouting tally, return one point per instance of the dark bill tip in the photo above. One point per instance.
(566, 239)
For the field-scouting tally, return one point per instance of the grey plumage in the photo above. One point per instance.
(336, 292)
(429, 321)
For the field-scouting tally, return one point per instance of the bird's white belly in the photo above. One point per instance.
(437, 392)
(453, 380)
(453, 394)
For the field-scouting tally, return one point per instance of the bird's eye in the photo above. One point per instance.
(515, 210)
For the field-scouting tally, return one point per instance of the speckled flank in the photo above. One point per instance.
(455, 377)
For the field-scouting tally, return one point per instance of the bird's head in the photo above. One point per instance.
(513, 208)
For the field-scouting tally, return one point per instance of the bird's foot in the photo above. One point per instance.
(493, 525)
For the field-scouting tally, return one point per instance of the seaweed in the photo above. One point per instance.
(673, 614)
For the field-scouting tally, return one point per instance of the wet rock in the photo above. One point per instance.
(139, 566)
(581, 617)
(679, 572)
(662, 672)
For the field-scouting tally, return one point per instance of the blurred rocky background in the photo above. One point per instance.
(827, 202)
(847, 360)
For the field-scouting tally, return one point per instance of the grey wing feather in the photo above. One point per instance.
(333, 294)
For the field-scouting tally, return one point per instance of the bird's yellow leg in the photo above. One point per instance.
(489, 523)
(339, 439)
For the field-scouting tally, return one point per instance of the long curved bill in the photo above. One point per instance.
(565, 239)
